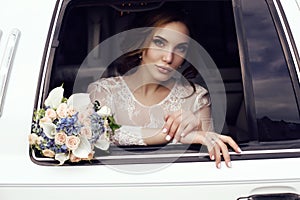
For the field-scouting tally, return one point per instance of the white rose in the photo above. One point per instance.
(55, 97)
(104, 111)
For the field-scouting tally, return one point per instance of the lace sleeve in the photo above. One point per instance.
(202, 99)
(98, 91)
(202, 108)
(128, 135)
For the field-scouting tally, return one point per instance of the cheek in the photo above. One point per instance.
(151, 55)
(178, 60)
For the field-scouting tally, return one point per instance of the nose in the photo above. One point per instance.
(168, 56)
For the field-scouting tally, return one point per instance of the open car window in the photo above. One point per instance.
(262, 110)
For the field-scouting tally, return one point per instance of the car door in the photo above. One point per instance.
(255, 62)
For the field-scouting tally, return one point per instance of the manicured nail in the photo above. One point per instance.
(219, 165)
(164, 130)
(229, 164)
(182, 134)
(174, 141)
(213, 157)
(168, 138)
(239, 150)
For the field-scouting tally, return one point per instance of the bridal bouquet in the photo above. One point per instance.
(69, 129)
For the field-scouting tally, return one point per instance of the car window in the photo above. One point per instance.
(218, 28)
(277, 112)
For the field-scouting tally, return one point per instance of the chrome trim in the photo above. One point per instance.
(199, 154)
(44, 67)
(6, 64)
(284, 26)
(176, 155)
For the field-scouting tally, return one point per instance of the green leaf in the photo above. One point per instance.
(112, 123)
(38, 114)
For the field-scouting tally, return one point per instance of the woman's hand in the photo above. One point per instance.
(180, 123)
(216, 144)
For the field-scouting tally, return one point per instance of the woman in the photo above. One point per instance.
(153, 102)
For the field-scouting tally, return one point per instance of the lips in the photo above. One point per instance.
(163, 69)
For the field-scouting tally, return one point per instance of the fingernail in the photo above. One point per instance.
(168, 138)
(239, 150)
(182, 135)
(174, 141)
(213, 157)
(219, 165)
(229, 164)
(164, 130)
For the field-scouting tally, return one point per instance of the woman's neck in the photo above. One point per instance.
(146, 90)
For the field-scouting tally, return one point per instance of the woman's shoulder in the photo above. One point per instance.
(194, 89)
(200, 89)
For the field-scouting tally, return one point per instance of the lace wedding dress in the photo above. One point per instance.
(133, 115)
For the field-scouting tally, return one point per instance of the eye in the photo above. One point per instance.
(181, 48)
(159, 42)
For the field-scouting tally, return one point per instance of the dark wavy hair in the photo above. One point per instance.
(130, 59)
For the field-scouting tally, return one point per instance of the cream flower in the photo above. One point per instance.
(62, 110)
(84, 118)
(50, 113)
(45, 120)
(74, 158)
(48, 153)
(72, 142)
(71, 111)
(33, 138)
(86, 131)
(39, 140)
(60, 138)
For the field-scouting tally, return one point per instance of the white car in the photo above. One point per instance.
(254, 45)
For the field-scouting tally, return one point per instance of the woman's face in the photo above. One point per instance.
(167, 49)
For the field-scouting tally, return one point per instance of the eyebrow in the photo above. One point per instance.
(157, 36)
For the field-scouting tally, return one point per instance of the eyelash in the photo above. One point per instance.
(160, 43)
(182, 49)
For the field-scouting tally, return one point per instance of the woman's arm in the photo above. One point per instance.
(216, 143)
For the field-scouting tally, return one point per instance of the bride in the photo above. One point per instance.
(153, 102)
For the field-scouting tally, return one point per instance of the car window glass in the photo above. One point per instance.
(276, 108)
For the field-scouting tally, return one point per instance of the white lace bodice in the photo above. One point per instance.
(114, 93)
